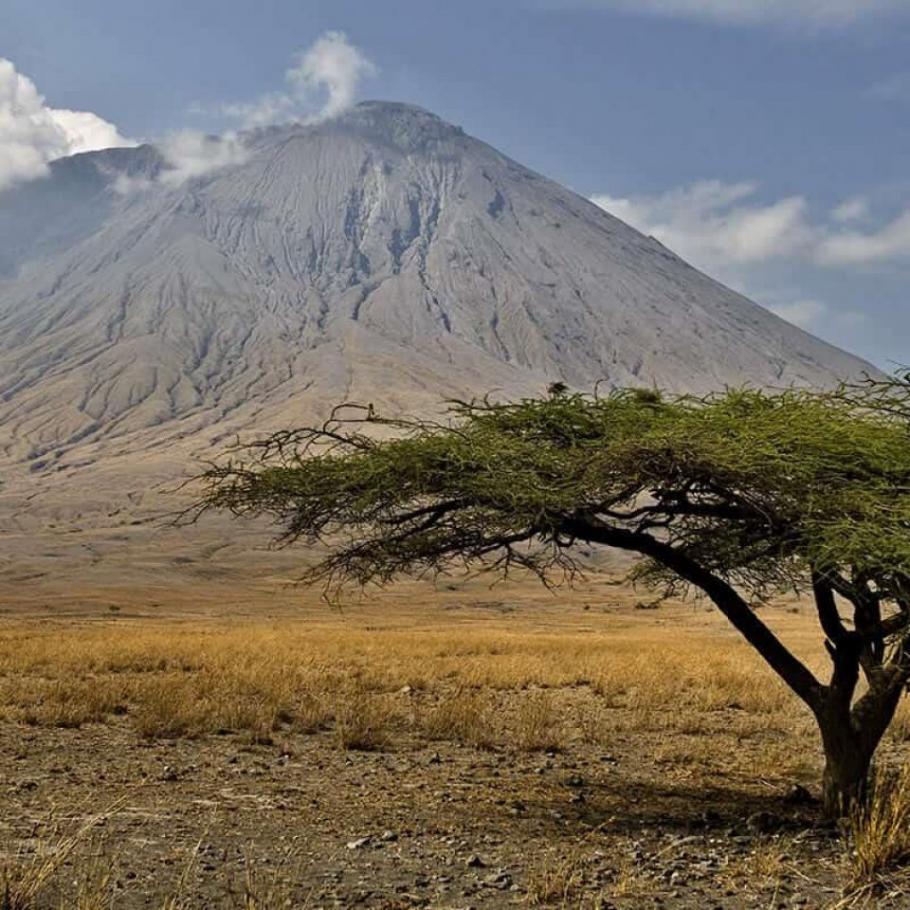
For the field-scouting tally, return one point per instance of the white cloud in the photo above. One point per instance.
(853, 209)
(710, 224)
(191, 153)
(813, 13)
(33, 134)
(322, 82)
(334, 66)
(889, 242)
(720, 226)
(769, 250)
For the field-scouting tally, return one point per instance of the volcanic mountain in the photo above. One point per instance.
(382, 256)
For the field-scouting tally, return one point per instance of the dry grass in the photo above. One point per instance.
(171, 681)
(881, 831)
(25, 880)
(362, 720)
(703, 693)
(556, 881)
(464, 717)
(683, 693)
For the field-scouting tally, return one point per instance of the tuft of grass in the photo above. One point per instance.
(271, 889)
(94, 886)
(538, 726)
(881, 830)
(25, 882)
(465, 717)
(555, 882)
(362, 720)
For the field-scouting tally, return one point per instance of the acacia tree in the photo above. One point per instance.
(739, 495)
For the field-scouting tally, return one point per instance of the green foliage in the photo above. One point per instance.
(753, 486)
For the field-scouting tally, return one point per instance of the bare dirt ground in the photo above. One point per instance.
(243, 744)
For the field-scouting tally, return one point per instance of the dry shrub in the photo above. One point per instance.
(362, 720)
(881, 830)
(538, 725)
(465, 717)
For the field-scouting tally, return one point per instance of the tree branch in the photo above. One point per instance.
(793, 672)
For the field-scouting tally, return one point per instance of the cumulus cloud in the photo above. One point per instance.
(33, 134)
(756, 247)
(711, 224)
(718, 226)
(190, 153)
(887, 243)
(853, 209)
(813, 13)
(322, 82)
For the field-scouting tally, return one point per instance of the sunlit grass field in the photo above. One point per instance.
(672, 687)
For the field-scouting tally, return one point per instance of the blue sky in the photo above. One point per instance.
(767, 141)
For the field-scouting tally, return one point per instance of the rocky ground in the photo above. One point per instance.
(302, 823)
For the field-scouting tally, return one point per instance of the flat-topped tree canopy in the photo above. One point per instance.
(739, 495)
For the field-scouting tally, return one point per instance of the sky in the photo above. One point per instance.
(765, 141)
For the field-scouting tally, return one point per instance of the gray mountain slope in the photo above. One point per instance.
(384, 256)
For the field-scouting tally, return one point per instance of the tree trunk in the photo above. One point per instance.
(846, 776)
(850, 737)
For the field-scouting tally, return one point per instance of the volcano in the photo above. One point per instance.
(384, 256)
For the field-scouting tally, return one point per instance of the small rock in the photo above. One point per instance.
(389, 837)
(359, 843)
(475, 862)
(499, 880)
(799, 796)
(574, 780)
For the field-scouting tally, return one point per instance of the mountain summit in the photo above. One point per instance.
(384, 256)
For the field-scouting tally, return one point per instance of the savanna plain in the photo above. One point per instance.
(447, 746)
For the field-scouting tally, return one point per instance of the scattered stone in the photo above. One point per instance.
(389, 837)
(475, 862)
(500, 880)
(359, 843)
(798, 795)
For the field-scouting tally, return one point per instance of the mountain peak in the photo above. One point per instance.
(380, 256)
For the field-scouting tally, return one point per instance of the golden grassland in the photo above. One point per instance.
(674, 683)
(531, 688)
